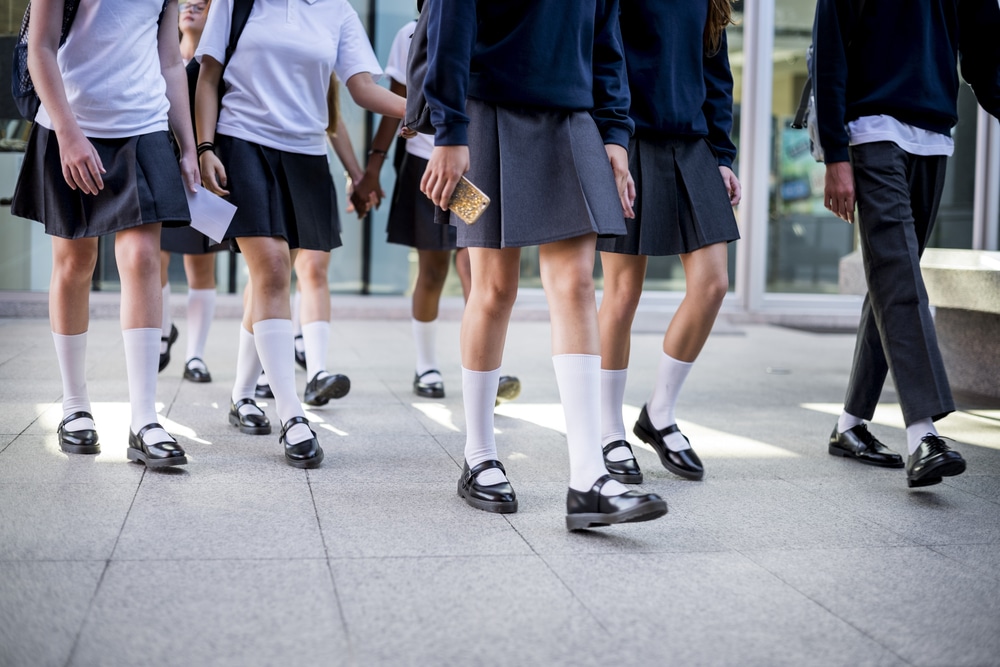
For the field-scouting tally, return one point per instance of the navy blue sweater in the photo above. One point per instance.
(677, 90)
(541, 54)
(900, 58)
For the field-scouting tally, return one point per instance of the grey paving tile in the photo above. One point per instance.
(923, 606)
(42, 608)
(455, 611)
(61, 521)
(231, 612)
(18, 416)
(38, 459)
(393, 459)
(710, 609)
(377, 520)
(986, 487)
(983, 559)
(221, 521)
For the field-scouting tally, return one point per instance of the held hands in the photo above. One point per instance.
(838, 194)
(213, 174)
(623, 179)
(446, 166)
(366, 193)
(732, 184)
(81, 165)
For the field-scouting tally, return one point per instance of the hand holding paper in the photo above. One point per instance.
(210, 214)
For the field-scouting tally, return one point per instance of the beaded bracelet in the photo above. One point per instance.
(377, 151)
(205, 146)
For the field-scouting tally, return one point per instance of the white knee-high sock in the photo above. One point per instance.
(142, 358)
(579, 380)
(71, 352)
(316, 336)
(479, 394)
(612, 423)
(296, 308)
(248, 369)
(200, 311)
(847, 421)
(425, 339)
(916, 431)
(669, 379)
(273, 340)
(166, 322)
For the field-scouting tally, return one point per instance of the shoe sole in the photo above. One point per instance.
(263, 394)
(934, 475)
(835, 451)
(486, 506)
(306, 463)
(648, 438)
(626, 479)
(338, 389)
(429, 394)
(134, 454)
(200, 379)
(80, 449)
(249, 430)
(645, 512)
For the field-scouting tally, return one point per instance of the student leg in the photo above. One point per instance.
(200, 271)
(311, 269)
(432, 270)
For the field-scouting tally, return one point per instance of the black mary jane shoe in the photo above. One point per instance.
(83, 441)
(198, 373)
(305, 454)
(684, 463)
(169, 340)
(322, 388)
(300, 354)
(932, 460)
(249, 423)
(262, 389)
(427, 389)
(499, 498)
(155, 455)
(626, 471)
(859, 444)
(590, 509)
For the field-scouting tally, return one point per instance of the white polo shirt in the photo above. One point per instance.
(110, 66)
(280, 71)
(423, 144)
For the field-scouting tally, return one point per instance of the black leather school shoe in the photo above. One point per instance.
(428, 389)
(684, 463)
(625, 471)
(300, 354)
(320, 390)
(859, 444)
(250, 423)
(932, 460)
(157, 454)
(262, 389)
(499, 498)
(589, 509)
(83, 441)
(196, 373)
(169, 340)
(305, 454)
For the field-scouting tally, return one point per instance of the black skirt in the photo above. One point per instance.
(547, 175)
(681, 200)
(188, 241)
(142, 185)
(280, 194)
(411, 218)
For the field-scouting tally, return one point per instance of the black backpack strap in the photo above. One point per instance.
(241, 12)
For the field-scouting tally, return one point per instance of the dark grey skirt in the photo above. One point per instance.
(411, 218)
(681, 201)
(142, 185)
(547, 176)
(188, 241)
(280, 194)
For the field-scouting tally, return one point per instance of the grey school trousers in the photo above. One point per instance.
(898, 196)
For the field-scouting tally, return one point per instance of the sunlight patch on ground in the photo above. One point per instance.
(437, 413)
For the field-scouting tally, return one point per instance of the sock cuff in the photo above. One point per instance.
(200, 292)
(270, 326)
(471, 372)
(668, 358)
(69, 337)
(615, 373)
(322, 324)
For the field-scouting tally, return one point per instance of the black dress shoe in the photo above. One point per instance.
(508, 389)
(83, 441)
(590, 509)
(249, 423)
(684, 463)
(428, 389)
(305, 454)
(196, 373)
(626, 471)
(322, 388)
(169, 340)
(858, 443)
(932, 461)
(157, 454)
(300, 354)
(499, 498)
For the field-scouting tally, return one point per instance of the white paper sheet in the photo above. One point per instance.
(210, 213)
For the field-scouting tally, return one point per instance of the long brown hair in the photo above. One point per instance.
(720, 15)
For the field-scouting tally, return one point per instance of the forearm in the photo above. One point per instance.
(341, 142)
(369, 95)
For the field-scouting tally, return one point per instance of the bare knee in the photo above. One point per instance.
(433, 270)
(311, 269)
(712, 290)
(75, 264)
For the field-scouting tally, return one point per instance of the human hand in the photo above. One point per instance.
(838, 192)
(444, 169)
(213, 174)
(733, 187)
(366, 193)
(407, 133)
(618, 157)
(190, 172)
(81, 165)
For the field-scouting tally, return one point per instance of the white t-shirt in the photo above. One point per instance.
(913, 140)
(279, 74)
(110, 66)
(423, 144)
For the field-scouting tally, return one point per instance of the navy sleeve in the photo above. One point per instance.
(718, 106)
(834, 19)
(979, 50)
(611, 95)
(451, 35)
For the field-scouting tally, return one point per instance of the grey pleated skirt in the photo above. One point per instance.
(681, 201)
(188, 241)
(546, 173)
(142, 185)
(411, 218)
(280, 194)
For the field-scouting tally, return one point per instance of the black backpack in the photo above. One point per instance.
(418, 114)
(21, 86)
(241, 12)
